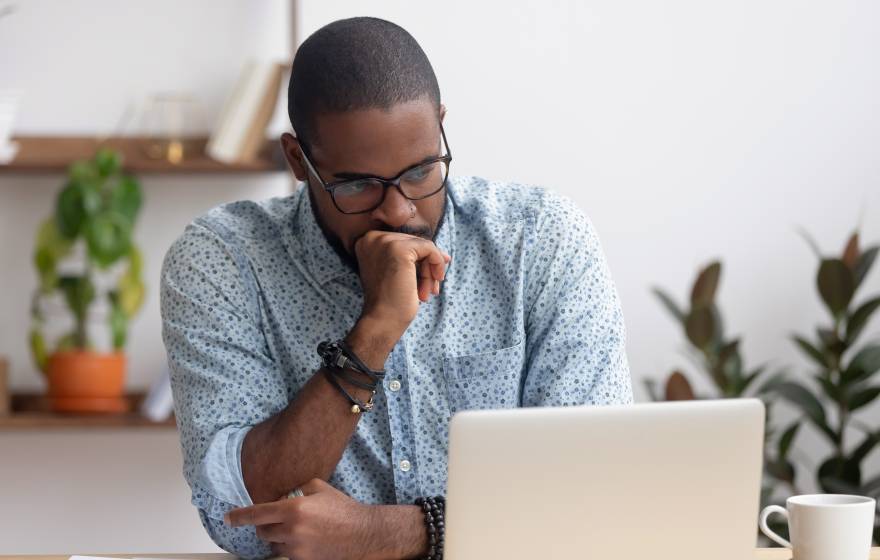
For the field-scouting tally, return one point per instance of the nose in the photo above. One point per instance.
(395, 209)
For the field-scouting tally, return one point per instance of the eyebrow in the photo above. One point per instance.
(358, 175)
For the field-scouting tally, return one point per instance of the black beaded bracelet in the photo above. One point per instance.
(434, 508)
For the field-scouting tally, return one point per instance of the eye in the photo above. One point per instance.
(418, 174)
(353, 188)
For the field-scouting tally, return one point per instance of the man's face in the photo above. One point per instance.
(375, 142)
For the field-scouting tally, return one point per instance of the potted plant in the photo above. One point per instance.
(87, 262)
(842, 379)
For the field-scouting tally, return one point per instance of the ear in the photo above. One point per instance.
(293, 154)
(442, 111)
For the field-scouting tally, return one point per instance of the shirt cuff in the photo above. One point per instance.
(220, 472)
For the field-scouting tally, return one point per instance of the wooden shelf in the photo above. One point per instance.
(31, 411)
(53, 154)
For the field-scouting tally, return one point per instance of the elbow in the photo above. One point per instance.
(240, 541)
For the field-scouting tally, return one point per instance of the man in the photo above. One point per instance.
(470, 294)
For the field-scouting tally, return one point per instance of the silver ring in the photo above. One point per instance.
(295, 493)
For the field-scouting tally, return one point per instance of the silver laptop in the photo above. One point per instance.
(648, 481)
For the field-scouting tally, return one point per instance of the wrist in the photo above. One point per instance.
(372, 342)
(400, 532)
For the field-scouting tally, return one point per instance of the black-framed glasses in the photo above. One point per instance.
(365, 194)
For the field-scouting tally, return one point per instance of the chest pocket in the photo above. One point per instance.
(486, 380)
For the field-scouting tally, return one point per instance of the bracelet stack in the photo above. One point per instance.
(434, 508)
(336, 358)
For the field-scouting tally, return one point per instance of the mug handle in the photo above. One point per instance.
(766, 530)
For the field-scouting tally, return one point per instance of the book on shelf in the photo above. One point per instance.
(240, 131)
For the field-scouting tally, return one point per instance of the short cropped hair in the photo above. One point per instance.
(352, 64)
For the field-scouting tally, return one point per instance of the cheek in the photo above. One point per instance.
(431, 209)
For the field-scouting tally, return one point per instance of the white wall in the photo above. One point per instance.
(687, 130)
(81, 64)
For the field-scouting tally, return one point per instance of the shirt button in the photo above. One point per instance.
(394, 385)
(405, 466)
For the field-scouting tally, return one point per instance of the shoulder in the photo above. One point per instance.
(220, 240)
(544, 210)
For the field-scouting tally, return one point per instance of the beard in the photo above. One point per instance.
(425, 232)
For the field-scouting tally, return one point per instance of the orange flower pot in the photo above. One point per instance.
(83, 381)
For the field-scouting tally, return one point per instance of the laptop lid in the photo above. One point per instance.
(659, 480)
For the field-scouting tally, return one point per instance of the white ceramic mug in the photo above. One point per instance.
(825, 526)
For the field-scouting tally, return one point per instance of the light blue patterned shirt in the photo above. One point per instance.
(528, 316)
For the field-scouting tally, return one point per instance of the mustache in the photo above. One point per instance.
(417, 231)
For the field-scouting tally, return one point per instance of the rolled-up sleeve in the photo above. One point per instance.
(576, 338)
(223, 378)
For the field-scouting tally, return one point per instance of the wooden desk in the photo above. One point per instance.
(760, 554)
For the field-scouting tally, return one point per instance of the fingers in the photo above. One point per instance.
(426, 280)
(273, 533)
(259, 514)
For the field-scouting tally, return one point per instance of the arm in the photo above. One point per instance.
(227, 386)
(326, 523)
(306, 439)
(576, 339)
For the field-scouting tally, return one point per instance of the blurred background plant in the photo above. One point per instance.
(720, 360)
(842, 376)
(97, 206)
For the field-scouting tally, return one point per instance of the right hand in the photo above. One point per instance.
(397, 272)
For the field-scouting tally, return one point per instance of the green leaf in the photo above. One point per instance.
(79, 292)
(131, 293)
(810, 241)
(67, 342)
(804, 399)
(50, 248)
(118, 324)
(748, 379)
(863, 365)
(38, 349)
(50, 239)
(859, 453)
(703, 292)
(833, 484)
(863, 266)
(678, 388)
(69, 210)
(108, 237)
(771, 384)
(862, 397)
(108, 161)
(851, 251)
(832, 390)
(817, 355)
(700, 326)
(135, 261)
(787, 439)
(871, 487)
(670, 304)
(836, 284)
(83, 171)
(859, 319)
(126, 198)
(651, 388)
(781, 469)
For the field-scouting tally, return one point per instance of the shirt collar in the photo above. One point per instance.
(322, 261)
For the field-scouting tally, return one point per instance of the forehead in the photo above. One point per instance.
(377, 141)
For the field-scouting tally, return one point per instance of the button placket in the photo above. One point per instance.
(403, 451)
